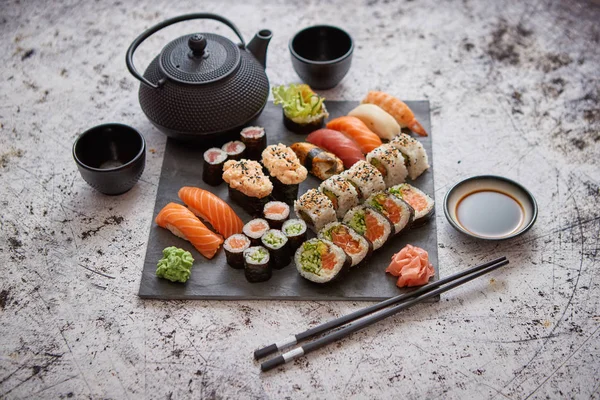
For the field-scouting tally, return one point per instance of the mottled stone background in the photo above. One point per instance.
(515, 91)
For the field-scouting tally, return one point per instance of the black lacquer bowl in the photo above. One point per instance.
(110, 157)
(321, 55)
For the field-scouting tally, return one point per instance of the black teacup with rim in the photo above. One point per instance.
(110, 157)
(321, 55)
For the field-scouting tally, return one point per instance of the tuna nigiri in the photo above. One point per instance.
(397, 109)
(183, 223)
(212, 209)
(337, 143)
(357, 130)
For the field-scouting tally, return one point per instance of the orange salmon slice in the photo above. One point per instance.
(414, 199)
(374, 228)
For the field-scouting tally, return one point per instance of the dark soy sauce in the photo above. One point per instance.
(489, 213)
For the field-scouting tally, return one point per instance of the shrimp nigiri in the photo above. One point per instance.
(353, 127)
(397, 109)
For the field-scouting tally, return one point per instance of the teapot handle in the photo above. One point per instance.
(157, 27)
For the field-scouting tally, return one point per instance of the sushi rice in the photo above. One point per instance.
(365, 178)
(390, 162)
(342, 193)
(414, 153)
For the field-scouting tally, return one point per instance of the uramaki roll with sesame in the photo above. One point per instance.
(390, 162)
(314, 208)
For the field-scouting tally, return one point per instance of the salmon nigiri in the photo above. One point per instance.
(353, 127)
(337, 143)
(212, 209)
(397, 109)
(183, 223)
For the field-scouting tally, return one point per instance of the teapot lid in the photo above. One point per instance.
(199, 58)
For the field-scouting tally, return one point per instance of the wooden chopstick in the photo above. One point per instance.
(294, 339)
(371, 319)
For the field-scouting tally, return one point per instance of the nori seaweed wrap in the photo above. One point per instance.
(277, 243)
(255, 139)
(212, 170)
(257, 265)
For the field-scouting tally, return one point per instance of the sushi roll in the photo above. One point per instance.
(257, 264)
(399, 212)
(235, 246)
(276, 212)
(286, 171)
(255, 139)
(303, 110)
(419, 201)
(415, 156)
(235, 150)
(248, 186)
(371, 224)
(212, 170)
(295, 230)
(357, 247)
(321, 261)
(315, 209)
(255, 229)
(341, 192)
(377, 120)
(365, 178)
(317, 161)
(389, 161)
(277, 243)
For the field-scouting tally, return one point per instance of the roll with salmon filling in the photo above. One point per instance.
(357, 247)
(255, 229)
(422, 203)
(341, 192)
(371, 224)
(321, 261)
(276, 212)
(399, 212)
(390, 162)
(234, 248)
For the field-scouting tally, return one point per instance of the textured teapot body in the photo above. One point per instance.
(202, 86)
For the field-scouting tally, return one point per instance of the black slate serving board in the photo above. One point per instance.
(214, 279)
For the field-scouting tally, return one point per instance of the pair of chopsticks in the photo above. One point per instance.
(367, 316)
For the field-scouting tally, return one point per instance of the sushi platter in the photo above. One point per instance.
(183, 166)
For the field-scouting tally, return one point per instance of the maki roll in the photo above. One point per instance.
(255, 229)
(212, 170)
(317, 161)
(389, 161)
(321, 261)
(234, 150)
(315, 209)
(399, 212)
(415, 156)
(295, 230)
(422, 203)
(342, 194)
(277, 243)
(255, 139)
(248, 186)
(303, 110)
(286, 171)
(365, 178)
(257, 265)
(234, 250)
(356, 246)
(276, 212)
(371, 224)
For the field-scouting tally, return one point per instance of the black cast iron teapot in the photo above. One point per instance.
(202, 85)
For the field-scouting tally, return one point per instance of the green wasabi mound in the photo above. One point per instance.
(176, 265)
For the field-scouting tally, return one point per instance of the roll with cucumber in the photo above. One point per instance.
(321, 261)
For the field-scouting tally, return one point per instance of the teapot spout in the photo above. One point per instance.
(258, 46)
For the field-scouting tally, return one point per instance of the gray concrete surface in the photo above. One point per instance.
(514, 88)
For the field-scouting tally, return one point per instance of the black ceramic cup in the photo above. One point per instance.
(321, 55)
(110, 157)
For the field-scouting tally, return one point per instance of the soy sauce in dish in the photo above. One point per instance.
(489, 213)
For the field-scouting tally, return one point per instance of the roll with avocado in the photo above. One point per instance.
(321, 261)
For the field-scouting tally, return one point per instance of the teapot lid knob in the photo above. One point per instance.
(197, 43)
